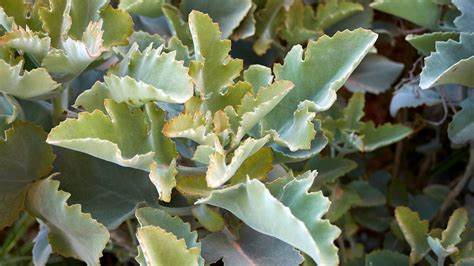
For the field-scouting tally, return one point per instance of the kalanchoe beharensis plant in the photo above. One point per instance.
(130, 129)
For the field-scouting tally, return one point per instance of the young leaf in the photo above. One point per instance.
(209, 218)
(422, 12)
(375, 137)
(19, 166)
(456, 226)
(27, 41)
(190, 126)
(71, 232)
(314, 85)
(56, 20)
(213, 70)
(461, 128)
(118, 26)
(269, 21)
(426, 43)
(82, 13)
(290, 214)
(220, 172)
(160, 247)
(251, 248)
(415, 232)
(258, 76)
(295, 30)
(451, 64)
(228, 16)
(25, 84)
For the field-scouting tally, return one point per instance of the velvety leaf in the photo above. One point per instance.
(315, 86)
(375, 75)
(220, 172)
(461, 128)
(422, 12)
(71, 232)
(251, 248)
(118, 25)
(385, 257)
(89, 180)
(56, 20)
(411, 95)
(82, 13)
(120, 137)
(258, 76)
(375, 137)
(290, 214)
(27, 41)
(333, 11)
(451, 64)
(25, 84)
(426, 43)
(160, 247)
(213, 70)
(465, 22)
(67, 63)
(134, 84)
(228, 16)
(148, 8)
(209, 218)
(181, 230)
(456, 226)
(24, 158)
(415, 232)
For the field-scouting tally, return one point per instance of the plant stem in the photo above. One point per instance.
(460, 185)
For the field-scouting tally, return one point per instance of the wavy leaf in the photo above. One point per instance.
(56, 20)
(451, 64)
(461, 128)
(285, 211)
(465, 22)
(118, 26)
(190, 126)
(228, 16)
(29, 42)
(148, 8)
(220, 172)
(426, 43)
(269, 21)
(25, 84)
(451, 236)
(82, 13)
(315, 86)
(24, 158)
(415, 231)
(258, 76)
(213, 69)
(386, 134)
(333, 11)
(411, 95)
(71, 232)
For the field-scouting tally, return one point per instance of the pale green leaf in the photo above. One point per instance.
(148, 8)
(256, 166)
(288, 213)
(56, 20)
(82, 13)
(258, 76)
(246, 28)
(71, 232)
(75, 56)
(422, 12)
(386, 134)
(160, 247)
(178, 27)
(451, 64)
(121, 137)
(456, 226)
(24, 158)
(118, 26)
(213, 70)
(415, 231)
(164, 179)
(5, 20)
(426, 43)
(315, 85)
(461, 128)
(190, 126)
(250, 249)
(228, 16)
(16, 10)
(465, 22)
(354, 111)
(25, 84)
(295, 30)
(253, 110)
(333, 11)
(89, 180)
(209, 218)
(41, 248)
(27, 41)
(220, 172)
(411, 95)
